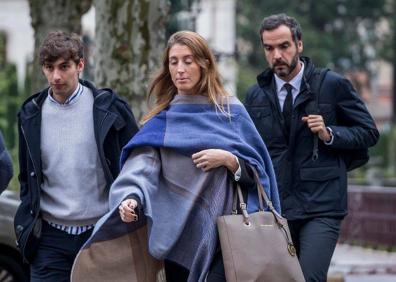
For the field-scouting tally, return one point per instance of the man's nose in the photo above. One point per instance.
(277, 53)
(56, 75)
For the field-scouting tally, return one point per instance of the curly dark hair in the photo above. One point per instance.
(59, 44)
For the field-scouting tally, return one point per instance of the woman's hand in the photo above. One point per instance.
(212, 158)
(127, 210)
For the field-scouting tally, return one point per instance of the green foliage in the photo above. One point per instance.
(14, 183)
(8, 101)
(246, 78)
(381, 152)
(173, 25)
(178, 20)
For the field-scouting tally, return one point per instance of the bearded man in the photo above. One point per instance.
(308, 133)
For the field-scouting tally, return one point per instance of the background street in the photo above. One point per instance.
(362, 264)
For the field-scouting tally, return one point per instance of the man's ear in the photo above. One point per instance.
(300, 46)
(80, 66)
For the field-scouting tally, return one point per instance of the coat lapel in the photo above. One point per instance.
(103, 120)
(270, 92)
(31, 129)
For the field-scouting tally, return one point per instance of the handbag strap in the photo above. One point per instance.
(262, 195)
(242, 204)
(235, 199)
(278, 218)
(237, 194)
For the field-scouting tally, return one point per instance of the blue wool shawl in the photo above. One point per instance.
(192, 124)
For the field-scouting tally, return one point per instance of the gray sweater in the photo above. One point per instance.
(73, 189)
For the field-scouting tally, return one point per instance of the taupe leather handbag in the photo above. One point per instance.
(257, 246)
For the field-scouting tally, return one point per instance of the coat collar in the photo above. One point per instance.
(266, 77)
(266, 81)
(103, 99)
(30, 119)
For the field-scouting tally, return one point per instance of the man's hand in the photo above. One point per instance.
(212, 158)
(317, 126)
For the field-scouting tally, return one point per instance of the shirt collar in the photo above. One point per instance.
(71, 99)
(295, 82)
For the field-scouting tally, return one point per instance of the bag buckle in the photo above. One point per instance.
(291, 249)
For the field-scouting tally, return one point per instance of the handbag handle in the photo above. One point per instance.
(261, 195)
(278, 217)
(242, 204)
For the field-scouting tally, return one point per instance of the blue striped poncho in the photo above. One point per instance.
(181, 203)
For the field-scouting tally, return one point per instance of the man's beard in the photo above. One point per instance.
(284, 72)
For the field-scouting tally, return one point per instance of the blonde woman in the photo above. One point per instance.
(178, 172)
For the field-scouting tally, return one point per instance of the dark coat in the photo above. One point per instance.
(6, 170)
(114, 125)
(311, 188)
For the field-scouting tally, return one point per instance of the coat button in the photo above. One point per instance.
(32, 174)
(31, 212)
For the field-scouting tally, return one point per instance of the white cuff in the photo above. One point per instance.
(237, 174)
(332, 136)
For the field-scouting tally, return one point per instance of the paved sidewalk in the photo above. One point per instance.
(361, 264)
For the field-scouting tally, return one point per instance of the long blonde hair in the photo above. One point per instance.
(162, 88)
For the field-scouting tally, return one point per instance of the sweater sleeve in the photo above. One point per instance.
(139, 173)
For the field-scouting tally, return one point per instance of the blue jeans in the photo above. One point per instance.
(55, 254)
(315, 240)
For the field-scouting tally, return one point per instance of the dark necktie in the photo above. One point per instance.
(288, 106)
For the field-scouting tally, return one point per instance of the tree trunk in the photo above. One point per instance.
(392, 139)
(394, 68)
(50, 16)
(129, 39)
